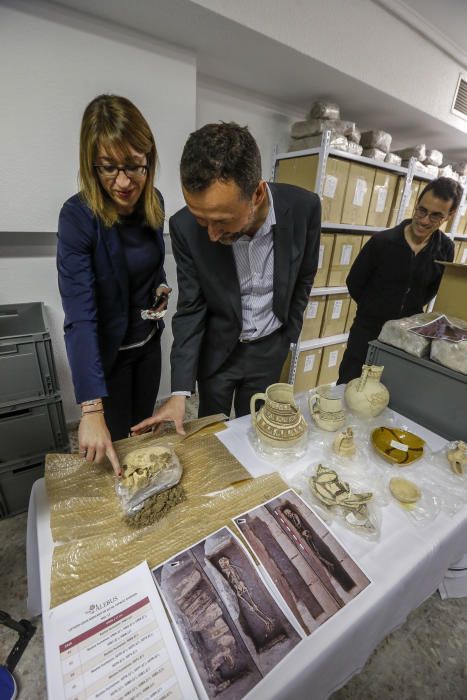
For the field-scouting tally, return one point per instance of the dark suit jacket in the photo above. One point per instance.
(93, 283)
(208, 320)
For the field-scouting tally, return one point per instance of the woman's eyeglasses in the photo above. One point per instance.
(133, 172)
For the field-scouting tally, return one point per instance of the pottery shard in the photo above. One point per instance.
(404, 490)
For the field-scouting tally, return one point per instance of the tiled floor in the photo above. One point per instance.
(425, 659)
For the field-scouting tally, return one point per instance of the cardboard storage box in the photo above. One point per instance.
(457, 247)
(326, 246)
(358, 194)
(313, 318)
(302, 171)
(335, 315)
(346, 249)
(421, 389)
(365, 239)
(382, 197)
(308, 365)
(350, 315)
(461, 256)
(332, 358)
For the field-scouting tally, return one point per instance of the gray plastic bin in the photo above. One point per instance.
(32, 428)
(428, 393)
(27, 368)
(16, 480)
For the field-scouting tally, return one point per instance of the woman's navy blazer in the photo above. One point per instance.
(93, 283)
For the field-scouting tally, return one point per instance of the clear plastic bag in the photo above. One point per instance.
(397, 333)
(374, 153)
(428, 504)
(363, 518)
(377, 139)
(146, 472)
(324, 110)
(393, 159)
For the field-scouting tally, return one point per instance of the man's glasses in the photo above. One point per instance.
(133, 172)
(435, 217)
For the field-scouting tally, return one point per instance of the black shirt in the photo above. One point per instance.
(388, 280)
(143, 257)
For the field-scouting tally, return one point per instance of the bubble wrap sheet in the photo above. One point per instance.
(96, 543)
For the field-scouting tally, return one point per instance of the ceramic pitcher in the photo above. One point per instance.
(326, 408)
(367, 396)
(279, 422)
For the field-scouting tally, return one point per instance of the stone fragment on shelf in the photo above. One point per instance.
(337, 141)
(393, 159)
(313, 127)
(374, 153)
(321, 109)
(418, 151)
(433, 157)
(377, 139)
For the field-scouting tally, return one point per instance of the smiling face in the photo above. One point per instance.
(225, 212)
(428, 216)
(124, 191)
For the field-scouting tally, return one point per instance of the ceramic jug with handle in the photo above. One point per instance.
(279, 422)
(326, 408)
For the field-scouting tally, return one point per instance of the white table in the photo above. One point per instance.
(406, 566)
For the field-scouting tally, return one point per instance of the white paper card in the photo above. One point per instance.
(399, 446)
(381, 199)
(309, 362)
(333, 355)
(336, 309)
(361, 188)
(330, 186)
(320, 257)
(312, 309)
(464, 256)
(114, 640)
(346, 254)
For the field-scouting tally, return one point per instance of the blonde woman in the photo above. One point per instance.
(110, 261)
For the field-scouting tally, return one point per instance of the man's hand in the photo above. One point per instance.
(172, 410)
(95, 442)
(165, 299)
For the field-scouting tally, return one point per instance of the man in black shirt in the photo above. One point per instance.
(395, 273)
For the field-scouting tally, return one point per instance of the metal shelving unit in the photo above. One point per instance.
(320, 291)
(324, 151)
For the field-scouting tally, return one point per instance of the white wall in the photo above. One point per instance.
(52, 66)
(268, 122)
(360, 39)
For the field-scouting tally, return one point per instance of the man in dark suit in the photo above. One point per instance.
(246, 254)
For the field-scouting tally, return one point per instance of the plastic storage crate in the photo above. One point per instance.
(27, 368)
(428, 393)
(16, 480)
(32, 428)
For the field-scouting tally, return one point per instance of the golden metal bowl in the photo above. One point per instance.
(397, 446)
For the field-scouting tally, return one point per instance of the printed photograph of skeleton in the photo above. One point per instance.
(232, 628)
(310, 569)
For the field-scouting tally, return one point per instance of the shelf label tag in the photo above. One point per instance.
(399, 446)
(333, 355)
(346, 254)
(312, 309)
(330, 186)
(309, 362)
(361, 188)
(320, 257)
(381, 199)
(336, 309)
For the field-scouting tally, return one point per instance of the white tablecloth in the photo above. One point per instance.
(406, 566)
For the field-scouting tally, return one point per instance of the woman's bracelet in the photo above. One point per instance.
(92, 402)
(93, 410)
